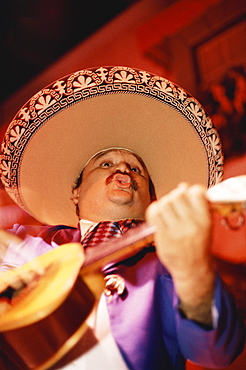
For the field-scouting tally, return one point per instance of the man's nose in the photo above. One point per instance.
(123, 167)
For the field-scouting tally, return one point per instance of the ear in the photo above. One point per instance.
(75, 197)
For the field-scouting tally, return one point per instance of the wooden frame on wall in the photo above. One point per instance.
(221, 51)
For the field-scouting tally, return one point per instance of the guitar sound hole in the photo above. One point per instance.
(10, 293)
(20, 285)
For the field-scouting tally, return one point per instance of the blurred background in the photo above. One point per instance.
(200, 45)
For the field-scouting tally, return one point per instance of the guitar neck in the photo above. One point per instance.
(139, 237)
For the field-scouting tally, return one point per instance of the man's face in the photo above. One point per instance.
(115, 186)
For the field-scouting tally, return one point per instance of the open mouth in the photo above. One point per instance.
(123, 180)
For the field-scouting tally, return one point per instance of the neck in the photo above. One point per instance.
(111, 215)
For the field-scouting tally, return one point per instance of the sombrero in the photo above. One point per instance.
(53, 135)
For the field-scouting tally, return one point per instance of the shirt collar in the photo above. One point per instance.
(86, 226)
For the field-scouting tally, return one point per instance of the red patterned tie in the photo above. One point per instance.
(105, 230)
(102, 232)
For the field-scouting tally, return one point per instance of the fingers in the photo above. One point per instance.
(6, 238)
(182, 238)
(183, 203)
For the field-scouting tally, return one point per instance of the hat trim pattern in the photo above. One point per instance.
(93, 82)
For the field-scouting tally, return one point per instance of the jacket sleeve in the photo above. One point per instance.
(36, 240)
(216, 347)
(31, 247)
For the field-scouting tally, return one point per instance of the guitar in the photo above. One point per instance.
(51, 296)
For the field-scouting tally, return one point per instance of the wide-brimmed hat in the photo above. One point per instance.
(52, 136)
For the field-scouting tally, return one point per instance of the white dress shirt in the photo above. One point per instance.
(105, 354)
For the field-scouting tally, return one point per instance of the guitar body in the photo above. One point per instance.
(36, 337)
(30, 347)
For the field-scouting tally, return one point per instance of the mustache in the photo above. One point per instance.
(133, 182)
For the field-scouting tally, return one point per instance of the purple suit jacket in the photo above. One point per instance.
(145, 322)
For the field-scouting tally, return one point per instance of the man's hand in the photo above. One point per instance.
(183, 223)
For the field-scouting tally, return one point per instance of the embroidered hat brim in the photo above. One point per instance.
(59, 128)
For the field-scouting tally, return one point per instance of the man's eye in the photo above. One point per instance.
(135, 169)
(105, 164)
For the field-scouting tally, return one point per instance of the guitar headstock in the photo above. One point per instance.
(229, 197)
(232, 190)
